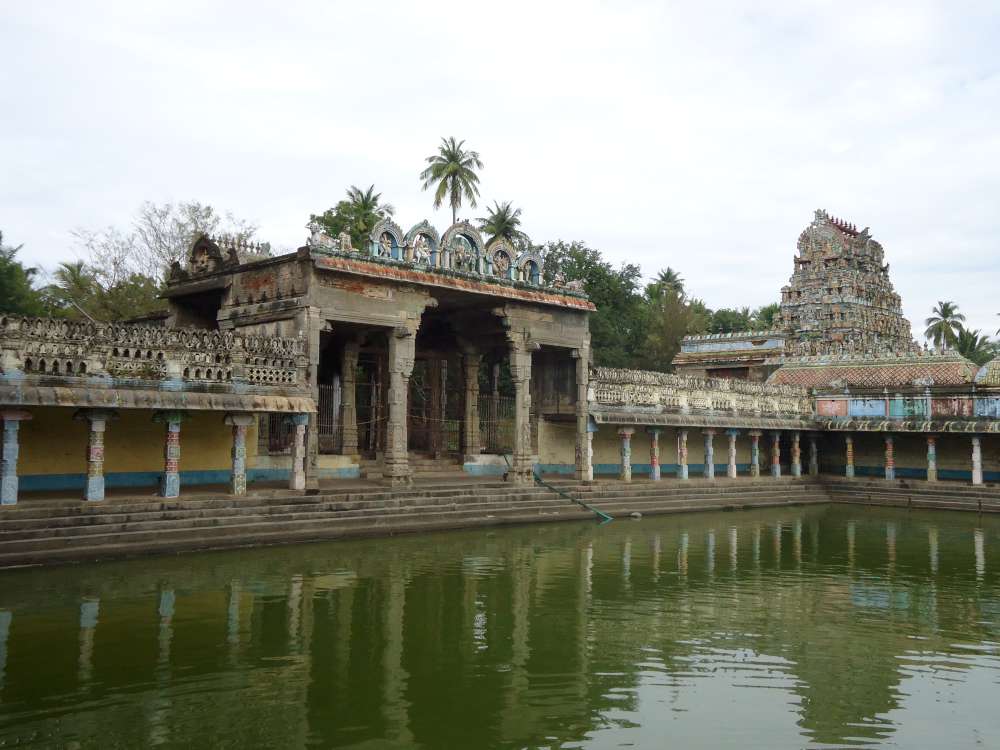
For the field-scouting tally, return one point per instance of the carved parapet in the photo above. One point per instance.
(646, 390)
(54, 347)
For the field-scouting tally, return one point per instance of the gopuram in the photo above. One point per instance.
(839, 301)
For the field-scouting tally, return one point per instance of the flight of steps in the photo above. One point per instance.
(670, 496)
(36, 531)
(421, 466)
(914, 494)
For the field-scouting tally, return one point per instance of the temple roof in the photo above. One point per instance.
(990, 373)
(871, 372)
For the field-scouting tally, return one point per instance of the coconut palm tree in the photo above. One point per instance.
(503, 220)
(974, 346)
(357, 214)
(944, 324)
(667, 282)
(451, 172)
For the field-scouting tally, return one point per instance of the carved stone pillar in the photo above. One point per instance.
(238, 472)
(297, 478)
(170, 482)
(584, 470)
(731, 470)
(977, 460)
(396, 464)
(890, 459)
(10, 421)
(813, 455)
(520, 372)
(776, 454)
(755, 453)
(796, 455)
(849, 463)
(98, 420)
(625, 433)
(470, 432)
(709, 469)
(348, 399)
(932, 473)
(654, 452)
(682, 454)
(312, 324)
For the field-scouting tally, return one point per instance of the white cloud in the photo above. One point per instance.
(700, 136)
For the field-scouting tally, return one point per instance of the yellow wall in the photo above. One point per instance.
(52, 442)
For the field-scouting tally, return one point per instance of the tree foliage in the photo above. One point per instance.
(357, 215)
(944, 324)
(503, 220)
(18, 295)
(974, 346)
(452, 174)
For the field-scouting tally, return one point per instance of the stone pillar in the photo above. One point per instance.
(654, 452)
(682, 454)
(977, 460)
(776, 454)
(849, 466)
(98, 420)
(755, 453)
(731, 470)
(170, 482)
(10, 421)
(625, 433)
(297, 478)
(470, 432)
(709, 469)
(932, 474)
(238, 472)
(520, 372)
(348, 399)
(890, 460)
(396, 464)
(813, 455)
(584, 453)
(796, 455)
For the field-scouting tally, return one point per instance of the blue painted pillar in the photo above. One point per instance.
(170, 484)
(97, 419)
(709, 470)
(238, 473)
(625, 433)
(796, 455)
(10, 422)
(755, 453)
(682, 454)
(776, 454)
(654, 452)
(731, 470)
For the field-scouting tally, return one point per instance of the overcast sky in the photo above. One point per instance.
(697, 135)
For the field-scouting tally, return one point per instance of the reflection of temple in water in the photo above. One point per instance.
(527, 638)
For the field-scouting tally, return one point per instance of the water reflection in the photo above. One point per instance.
(854, 626)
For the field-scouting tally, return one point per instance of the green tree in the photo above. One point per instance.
(671, 317)
(503, 220)
(357, 215)
(82, 290)
(766, 318)
(17, 294)
(728, 320)
(667, 281)
(452, 174)
(944, 324)
(974, 346)
(618, 327)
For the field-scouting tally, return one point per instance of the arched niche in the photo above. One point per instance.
(386, 240)
(501, 256)
(462, 246)
(423, 245)
(529, 266)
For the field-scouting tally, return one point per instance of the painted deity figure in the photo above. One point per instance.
(421, 249)
(461, 253)
(501, 263)
(385, 245)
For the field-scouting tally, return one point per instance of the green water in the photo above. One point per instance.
(814, 627)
